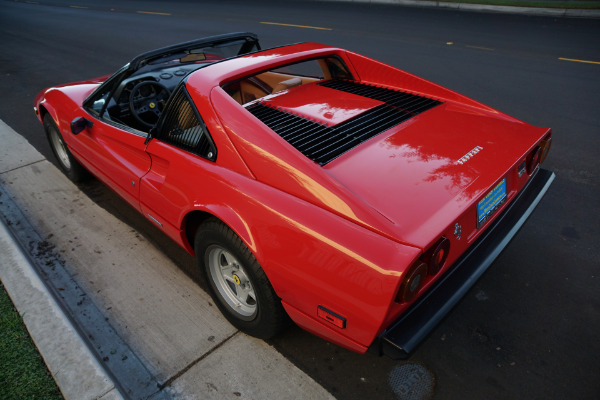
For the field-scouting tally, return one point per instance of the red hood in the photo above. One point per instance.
(77, 91)
(415, 173)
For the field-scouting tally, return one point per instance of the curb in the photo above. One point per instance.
(551, 12)
(73, 367)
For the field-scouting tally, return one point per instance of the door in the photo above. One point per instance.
(116, 156)
(182, 154)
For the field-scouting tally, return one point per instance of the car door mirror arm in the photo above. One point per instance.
(79, 124)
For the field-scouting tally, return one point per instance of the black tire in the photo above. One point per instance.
(67, 163)
(237, 283)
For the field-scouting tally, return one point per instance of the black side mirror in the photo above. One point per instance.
(79, 124)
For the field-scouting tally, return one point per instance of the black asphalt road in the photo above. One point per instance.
(529, 329)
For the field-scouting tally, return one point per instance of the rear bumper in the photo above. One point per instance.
(405, 334)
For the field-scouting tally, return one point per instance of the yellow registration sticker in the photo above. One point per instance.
(491, 202)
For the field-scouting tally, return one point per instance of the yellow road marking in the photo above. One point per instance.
(298, 26)
(580, 61)
(479, 48)
(78, 7)
(152, 13)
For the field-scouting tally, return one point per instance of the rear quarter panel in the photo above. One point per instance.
(311, 255)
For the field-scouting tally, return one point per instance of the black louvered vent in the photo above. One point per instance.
(322, 143)
(183, 128)
(407, 102)
(297, 131)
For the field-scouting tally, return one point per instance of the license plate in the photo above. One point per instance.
(491, 202)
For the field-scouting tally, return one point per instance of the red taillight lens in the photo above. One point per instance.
(430, 263)
(545, 145)
(533, 159)
(436, 256)
(412, 283)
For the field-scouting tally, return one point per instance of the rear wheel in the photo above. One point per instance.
(68, 164)
(237, 283)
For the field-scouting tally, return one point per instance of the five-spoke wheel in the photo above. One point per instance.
(231, 281)
(68, 164)
(237, 282)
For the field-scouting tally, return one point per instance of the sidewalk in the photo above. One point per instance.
(151, 332)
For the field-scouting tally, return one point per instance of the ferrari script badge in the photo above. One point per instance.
(468, 156)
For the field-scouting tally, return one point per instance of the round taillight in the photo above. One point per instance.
(533, 159)
(546, 144)
(436, 256)
(413, 281)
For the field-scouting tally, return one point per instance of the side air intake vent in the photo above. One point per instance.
(322, 143)
(182, 127)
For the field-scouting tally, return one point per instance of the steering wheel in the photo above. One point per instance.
(147, 101)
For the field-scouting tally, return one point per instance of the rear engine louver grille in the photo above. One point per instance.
(405, 102)
(322, 143)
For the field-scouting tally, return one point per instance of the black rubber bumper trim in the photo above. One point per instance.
(404, 335)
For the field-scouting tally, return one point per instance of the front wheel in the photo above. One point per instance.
(237, 283)
(68, 164)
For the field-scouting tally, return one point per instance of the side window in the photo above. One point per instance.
(98, 102)
(183, 127)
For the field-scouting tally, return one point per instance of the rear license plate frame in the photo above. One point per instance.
(491, 202)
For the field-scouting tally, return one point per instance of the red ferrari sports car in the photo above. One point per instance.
(310, 182)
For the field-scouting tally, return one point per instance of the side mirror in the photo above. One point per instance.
(79, 124)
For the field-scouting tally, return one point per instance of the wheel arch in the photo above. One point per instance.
(46, 109)
(226, 215)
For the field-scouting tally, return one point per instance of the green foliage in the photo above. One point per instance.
(23, 374)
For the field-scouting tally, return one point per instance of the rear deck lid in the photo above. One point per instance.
(424, 173)
(326, 119)
(418, 161)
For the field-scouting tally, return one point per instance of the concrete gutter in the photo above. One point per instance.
(152, 329)
(553, 12)
(73, 367)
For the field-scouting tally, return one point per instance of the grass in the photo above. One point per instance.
(576, 4)
(23, 374)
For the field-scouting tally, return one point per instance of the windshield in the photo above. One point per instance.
(198, 54)
(137, 94)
